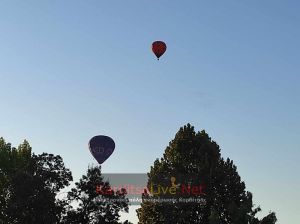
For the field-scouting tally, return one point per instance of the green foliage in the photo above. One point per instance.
(28, 185)
(193, 158)
(96, 201)
(269, 219)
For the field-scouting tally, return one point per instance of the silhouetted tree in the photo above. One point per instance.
(29, 184)
(94, 201)
(195, 160)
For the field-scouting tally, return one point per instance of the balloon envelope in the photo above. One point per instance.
(101, 147)
(159, 48)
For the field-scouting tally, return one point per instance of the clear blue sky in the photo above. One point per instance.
(70, 70)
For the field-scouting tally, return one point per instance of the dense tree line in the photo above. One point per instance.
(30, 185)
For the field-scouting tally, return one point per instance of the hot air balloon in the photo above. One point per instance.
(159, 48)
(101, 147)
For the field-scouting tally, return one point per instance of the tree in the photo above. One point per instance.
(193, 159)
(95, 201)
(29, 184)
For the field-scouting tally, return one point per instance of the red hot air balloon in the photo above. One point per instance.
(159, 48)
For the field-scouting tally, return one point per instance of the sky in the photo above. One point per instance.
(70, 70)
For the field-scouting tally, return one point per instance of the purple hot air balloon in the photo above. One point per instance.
(101, 147)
